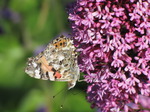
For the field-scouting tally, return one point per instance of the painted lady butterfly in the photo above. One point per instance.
(58, 62)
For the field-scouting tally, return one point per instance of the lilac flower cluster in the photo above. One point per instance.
(113, 38)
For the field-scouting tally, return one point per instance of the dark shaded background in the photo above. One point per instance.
(25, 26)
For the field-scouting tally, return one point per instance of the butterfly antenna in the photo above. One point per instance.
(64, 99)
(63, 89)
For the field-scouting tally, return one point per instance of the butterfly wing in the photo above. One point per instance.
(58, 62)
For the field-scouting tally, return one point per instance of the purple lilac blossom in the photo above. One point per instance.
(113, 38)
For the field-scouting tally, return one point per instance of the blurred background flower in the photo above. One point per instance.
(113, 37)
(24, 26)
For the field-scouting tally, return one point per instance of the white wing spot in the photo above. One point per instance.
(51, 76)
(37, 74)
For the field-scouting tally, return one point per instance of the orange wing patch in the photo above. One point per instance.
(61, 42)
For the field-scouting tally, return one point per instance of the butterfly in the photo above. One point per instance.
(58, 62)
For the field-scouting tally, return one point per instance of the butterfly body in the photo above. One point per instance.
(58, 62)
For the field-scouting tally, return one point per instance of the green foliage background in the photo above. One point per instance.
(24, 26)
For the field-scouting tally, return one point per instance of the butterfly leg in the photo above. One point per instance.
(79, 79)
